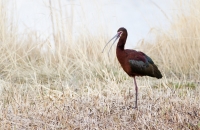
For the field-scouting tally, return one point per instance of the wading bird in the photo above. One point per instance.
(134, 63)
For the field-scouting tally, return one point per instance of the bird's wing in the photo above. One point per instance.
(138, 65)
(138, 60)
(148, 59)
(142, 64)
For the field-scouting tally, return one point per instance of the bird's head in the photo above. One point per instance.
(121, 33)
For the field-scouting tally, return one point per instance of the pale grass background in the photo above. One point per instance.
(137, 16)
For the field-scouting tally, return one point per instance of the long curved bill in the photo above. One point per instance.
(115, 37)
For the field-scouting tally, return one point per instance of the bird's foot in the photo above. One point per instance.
(135, 107)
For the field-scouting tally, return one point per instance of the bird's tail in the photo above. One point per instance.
(157, 72)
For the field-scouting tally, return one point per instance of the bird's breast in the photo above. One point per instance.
(125, 65)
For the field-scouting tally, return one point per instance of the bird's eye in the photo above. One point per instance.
(120, 33)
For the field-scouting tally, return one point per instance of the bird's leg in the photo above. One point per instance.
(136, 92)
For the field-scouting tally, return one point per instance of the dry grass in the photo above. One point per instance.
(177, 50)
(75, 86)
(37, 107)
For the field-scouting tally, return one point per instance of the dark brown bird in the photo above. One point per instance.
(134, 63)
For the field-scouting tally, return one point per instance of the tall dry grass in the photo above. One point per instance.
(74, 86)
(29, 58)
(177, 50)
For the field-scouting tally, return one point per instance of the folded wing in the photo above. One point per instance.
(143, 65)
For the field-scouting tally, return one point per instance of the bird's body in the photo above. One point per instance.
(134, 63)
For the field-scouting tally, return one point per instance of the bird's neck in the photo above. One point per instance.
(121, 44)
(120, 50)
